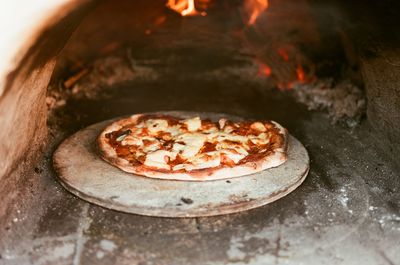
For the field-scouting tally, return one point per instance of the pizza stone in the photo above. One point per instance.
(81, 171)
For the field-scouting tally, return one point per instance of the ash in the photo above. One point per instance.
(343, 101)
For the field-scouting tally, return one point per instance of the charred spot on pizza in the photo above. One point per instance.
(208, 147)
(121, 135)
(108, 135)
(167, 145)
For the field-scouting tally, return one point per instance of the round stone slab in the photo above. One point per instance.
(85, 174)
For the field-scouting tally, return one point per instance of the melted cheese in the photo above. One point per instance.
(234, 156)
(152, 146)
(177, 147)
(258, 126)
(173, 130)
(220, 136)
(208, 160)
(179, 167)
(132, 140)
(221, 123)
(261, 139)
(193, 124)
(228, 129)
(190, 151)
(193, 143)
(229, 148)
(241, 150)
(158, 159)
(210, 130)
(156, 125)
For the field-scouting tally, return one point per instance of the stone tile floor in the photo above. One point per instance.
(346, 212)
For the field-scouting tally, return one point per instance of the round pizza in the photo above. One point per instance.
(172, 147)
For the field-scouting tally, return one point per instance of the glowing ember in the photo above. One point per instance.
(282, 86)
(301, 77)
(263, 70)
(184, 7)
(160, 20)
(267, 71)
(283, 53)
(255, 8)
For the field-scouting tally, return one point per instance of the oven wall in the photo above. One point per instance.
(381, 72)
(374, 29)
(23, 111)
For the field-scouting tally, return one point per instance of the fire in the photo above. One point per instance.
(283, 53)
(301, 76)
(263, 70)
(267, 71)
(184, 7)
(255, 8)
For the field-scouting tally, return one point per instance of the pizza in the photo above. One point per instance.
(173, 147)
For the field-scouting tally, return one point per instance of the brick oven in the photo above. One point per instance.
(329, 71)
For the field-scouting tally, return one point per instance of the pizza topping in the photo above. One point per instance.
(207, 126)
(233, 155)
(258, 126)
(226, 160)
(122, 135)
(173, 130)
(190, 150)
(169, 144)
(157, 159)
(221, 123)
(150, 145)
(193, 143)
(166, 136)
(179, 167)
(193, 124)
(261, 139)
(212, 159)
(177, 163)
(156, 125)
(131, 140)
(177, 147)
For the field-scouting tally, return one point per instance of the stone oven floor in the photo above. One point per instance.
(346, 211)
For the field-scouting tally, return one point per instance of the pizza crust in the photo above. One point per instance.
(276, 158)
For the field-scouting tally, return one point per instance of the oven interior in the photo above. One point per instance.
(326, 70)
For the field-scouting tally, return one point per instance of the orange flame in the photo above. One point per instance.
(184, 7)
(255, 8)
